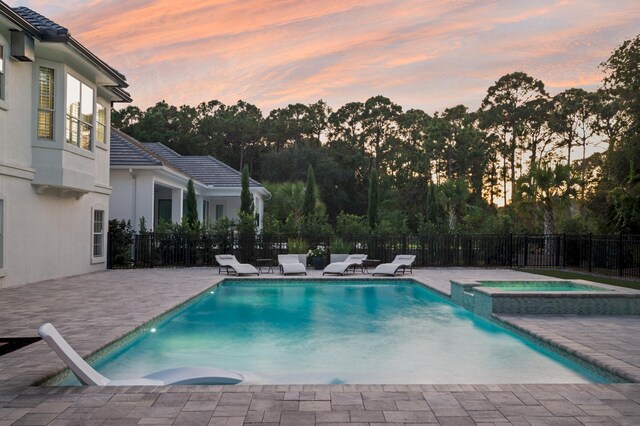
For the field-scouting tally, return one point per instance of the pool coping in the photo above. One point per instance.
(105, 313)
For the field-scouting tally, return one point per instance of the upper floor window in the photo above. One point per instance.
(101, 124)
(79, 113)
(2, 84)
(45, 103)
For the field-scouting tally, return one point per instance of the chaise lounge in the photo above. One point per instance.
(290, 264)
(173, 376)
(352, 261)
(229, 261)
(402, 261)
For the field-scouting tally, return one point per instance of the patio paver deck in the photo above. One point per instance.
(93, 310)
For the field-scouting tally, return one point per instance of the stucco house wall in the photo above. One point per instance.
(145, 174)
(49, 189)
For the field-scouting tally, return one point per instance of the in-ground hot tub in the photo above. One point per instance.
(545, 297)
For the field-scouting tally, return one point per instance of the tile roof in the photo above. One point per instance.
(205, 169)
(127, 151)
(48, 29)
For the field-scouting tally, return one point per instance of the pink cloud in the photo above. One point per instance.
(428, 55)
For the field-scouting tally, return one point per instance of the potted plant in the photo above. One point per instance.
(318, 255)
(340, 249)
(298, 246)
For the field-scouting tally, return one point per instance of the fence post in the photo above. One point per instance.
(152, 248)
(187, 254)
(564, 250)
(526, 249)
(511, 249)
(557, 253)
(620, 258)
(590, 249)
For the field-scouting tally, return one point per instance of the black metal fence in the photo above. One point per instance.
(604, 254)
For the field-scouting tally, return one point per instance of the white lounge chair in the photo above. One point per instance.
(229, 261)
(173, 376)
(402, 261)
(340, 268)
(290, 264)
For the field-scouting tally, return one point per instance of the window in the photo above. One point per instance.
(101, 124)
(164, 211)
(79, 113)
(219, 211)
(98, 233)
(2, 72)
(45, 103)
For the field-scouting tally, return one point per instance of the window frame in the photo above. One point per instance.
(51, 110)
(98, 258)
(222, 211)
(99, 124)
(3, 72)
(68, 118)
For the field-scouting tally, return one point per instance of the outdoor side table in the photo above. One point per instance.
(369, 263)
(265, 263)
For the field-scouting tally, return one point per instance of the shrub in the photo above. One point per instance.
(339, 246)
(351, 224)
(297, 246)
(120, 239)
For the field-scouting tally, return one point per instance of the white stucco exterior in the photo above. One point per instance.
(49, 189)
(137, 193)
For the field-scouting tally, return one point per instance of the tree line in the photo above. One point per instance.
(525, 161)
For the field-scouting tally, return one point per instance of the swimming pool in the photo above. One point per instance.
(346, 331)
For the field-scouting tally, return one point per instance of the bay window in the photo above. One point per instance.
(79, 113)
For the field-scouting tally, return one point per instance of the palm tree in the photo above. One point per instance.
(546, 186)
(453, 197)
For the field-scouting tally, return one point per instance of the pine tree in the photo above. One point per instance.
(191, 215)
(372, 211)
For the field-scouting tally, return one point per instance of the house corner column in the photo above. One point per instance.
(144, 202)
(259, 203)
(176, 205)
(200, 204)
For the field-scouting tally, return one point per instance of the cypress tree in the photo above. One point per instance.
(309, 204)
(191, 215)
(246, 199)
(432, 204)
(372, 211)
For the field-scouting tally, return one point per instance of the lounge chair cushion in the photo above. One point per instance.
(230, 261)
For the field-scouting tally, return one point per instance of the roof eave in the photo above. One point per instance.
(118, 78)
(18, 20)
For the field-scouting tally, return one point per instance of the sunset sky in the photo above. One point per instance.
(429, 54)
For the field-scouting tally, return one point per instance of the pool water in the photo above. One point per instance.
(321, 332)
(539, 286)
